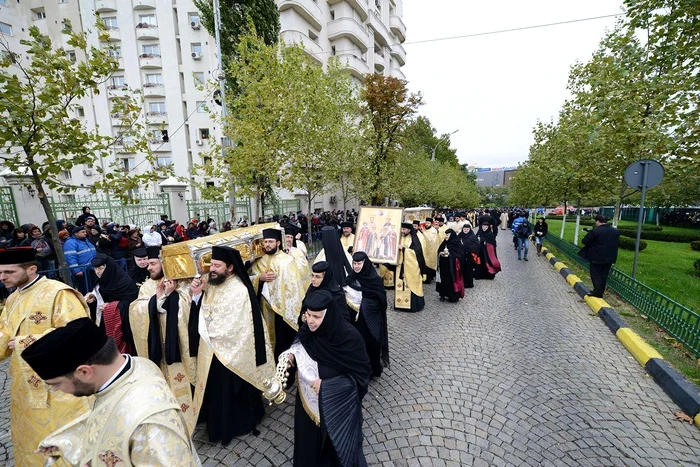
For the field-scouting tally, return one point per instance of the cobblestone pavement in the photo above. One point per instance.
(519, 373)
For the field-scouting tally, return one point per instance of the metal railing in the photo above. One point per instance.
(679, 321)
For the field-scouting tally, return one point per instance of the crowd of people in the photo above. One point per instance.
(205, 349)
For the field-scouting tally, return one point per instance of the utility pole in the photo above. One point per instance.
(432, 158)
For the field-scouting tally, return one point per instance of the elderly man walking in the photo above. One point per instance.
(600, 249)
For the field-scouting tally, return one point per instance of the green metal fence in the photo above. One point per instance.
(679, 321)
(281, 207)
(218, 210)
(146, 211)
(8, 209)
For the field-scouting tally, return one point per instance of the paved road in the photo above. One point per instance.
(519, 373)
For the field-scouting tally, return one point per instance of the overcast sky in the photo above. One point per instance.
(494, 88)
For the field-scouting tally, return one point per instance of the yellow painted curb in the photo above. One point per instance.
(559, 266)
(572, 279)
(697, 420)
(595, 303)
(639, 349)
(549, 256)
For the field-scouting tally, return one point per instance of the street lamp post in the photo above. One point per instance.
(432, 158)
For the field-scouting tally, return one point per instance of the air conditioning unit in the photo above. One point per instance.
(195, 25)
(196, 56)
(333, 200)
(87, 172)
(199, 142)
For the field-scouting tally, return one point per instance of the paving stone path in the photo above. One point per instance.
(518, 373)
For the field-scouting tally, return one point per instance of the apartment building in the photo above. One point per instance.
(166, 53)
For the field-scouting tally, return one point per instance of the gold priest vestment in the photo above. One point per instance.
(442, 233)
(347, 242)
(430, 249)
(284, 295)
(226, 330)
(412, 281)
(136, 420)
(302, 263)
(179, 375)
(35, 412)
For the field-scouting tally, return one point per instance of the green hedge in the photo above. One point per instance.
(645, 228)
(627, 243)
(662, 236)
(696, 264)
(695, 245)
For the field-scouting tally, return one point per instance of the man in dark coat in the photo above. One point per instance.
(600, 249)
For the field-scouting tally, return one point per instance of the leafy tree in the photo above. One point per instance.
(40, 133)
(421, 136)
(390, 107)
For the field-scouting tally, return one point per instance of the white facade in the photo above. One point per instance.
(164, 52)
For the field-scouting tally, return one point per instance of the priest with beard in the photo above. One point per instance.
(410, 269)
(159, 320)
(334, 374)
(432, 242)
(450, 283)
(234, 353)
(347, 238)
(280, 289)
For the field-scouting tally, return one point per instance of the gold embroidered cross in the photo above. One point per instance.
(26, 341)
(179, 377)
(184, 407)
(34, 381)
(110, 459)
(38, 317)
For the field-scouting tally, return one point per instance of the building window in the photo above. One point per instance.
(206, 160)
(3, 2)
(67, 198)
(128, 164)
(313, 36)
(164, 161)
(115, 51)
(111, 22)
(147, 21)
(116, 82)
(378, 4)
(38, 13)
(332, 14)
(198, 77)
(332, 50)
(201, 107)
(204, 133)
(71, 56)
(193, 17)
(66, 175)
(196, 48)
(62, 1)
(150, 50)
(156, 108)
(211, 184)
(5, 29)
(80, 111)
(154, 79)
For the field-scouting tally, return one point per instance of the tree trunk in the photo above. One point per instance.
(563, 221)
(578, 221)
(55, 241)
(616, 212)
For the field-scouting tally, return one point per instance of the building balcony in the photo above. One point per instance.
(157, 118)
(114, 33)
(379, 60)
(398, 28)
(153, 90)
(145, 31)
(158, 145)
(117, 119)
(397, 73)
(297, 37)
(360, 6)
(103, 6)
(123, 147)
(117, 92)
(355, 65)
(144, 4)
(120, 63)
(399, 53)
(381, 32)
(307, 9)
(150, 61)
(349, 28)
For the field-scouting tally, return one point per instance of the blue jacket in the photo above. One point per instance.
(79, 254)
(516, 223)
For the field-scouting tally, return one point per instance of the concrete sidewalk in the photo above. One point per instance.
(520, 372)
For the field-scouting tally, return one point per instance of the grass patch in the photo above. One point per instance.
(673, 352)
(663, 266)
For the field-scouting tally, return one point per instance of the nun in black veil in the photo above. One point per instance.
(322, 278)
(328, 431)
(450, 284)
(371, 320)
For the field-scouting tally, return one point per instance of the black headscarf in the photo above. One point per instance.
(330, 284)
(454, 246)
(418, 248)
(487, 236)
(469, 240)
(367, 280)
(335, 253)
(337, 344)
